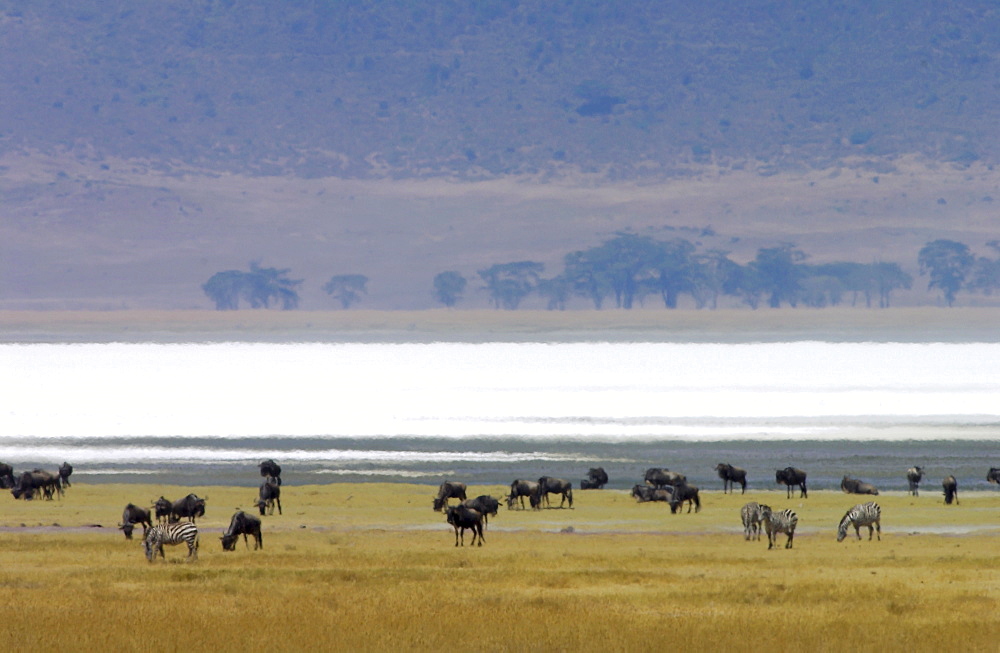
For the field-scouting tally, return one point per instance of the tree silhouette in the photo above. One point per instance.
(258, 287)
(509, 283)
(347, 288)
(448, 287)
(778, 273)
(948, 263)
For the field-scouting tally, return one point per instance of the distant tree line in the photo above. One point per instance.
(627, 269)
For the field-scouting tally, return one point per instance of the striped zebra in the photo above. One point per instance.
(863, 514)
(751, 516)
(174, 533)
(782, 521)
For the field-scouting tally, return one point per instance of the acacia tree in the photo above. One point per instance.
(986, 272)
(778, 273)
(258, 287)
(448, 287)
(948, 263)
(509, 283)
(347, 288)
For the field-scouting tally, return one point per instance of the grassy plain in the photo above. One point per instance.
(369, 567)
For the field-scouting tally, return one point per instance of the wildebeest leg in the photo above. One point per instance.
(279, 505)
(456, 536)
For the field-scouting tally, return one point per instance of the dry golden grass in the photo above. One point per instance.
(372, 567)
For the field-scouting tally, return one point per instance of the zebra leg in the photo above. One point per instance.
(788, 544)
(878, 525)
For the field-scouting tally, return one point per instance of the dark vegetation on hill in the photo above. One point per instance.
(391, 87)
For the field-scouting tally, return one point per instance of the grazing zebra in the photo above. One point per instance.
(863, 514)
(174, 533)
(783, 521)
(751, 515)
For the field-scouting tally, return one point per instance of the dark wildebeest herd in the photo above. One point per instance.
(167, 522)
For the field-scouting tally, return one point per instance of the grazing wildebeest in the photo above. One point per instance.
(731, 475)
(163, 507)
(463, 517)
(644, 493)
(64, 472)
(782, 521)
(596, 479)
(950, 486)
(29, 483)
(190, 507)
(548, 485)
(268, 495)
(176, 533)
(853, 486)
(993, 476)
(913, 476)
(659, 478)
(449, 490)
(863, 514)
(6, 476)
(485, 505)
(684, 492)
(790, 476)
(270, 468)
(133, 515)
(242, 524)
(520, 489)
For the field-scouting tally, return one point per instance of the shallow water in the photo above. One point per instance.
(487, 413)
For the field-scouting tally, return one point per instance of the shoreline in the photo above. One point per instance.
(917, 325)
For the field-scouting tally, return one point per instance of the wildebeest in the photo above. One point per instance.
(548, 485)
(133, 515)
(449, 490)
(485, 505)
(853, 486)
(270, 468)
(950, 486)
(242, 524)
(659, 478)
(596, 479)
(913, 476)
(993, 476)
(790, 476)
(644, 493)
(684, 492)
(731, 475)
(462, 517)
(163, 507)
(64, 473)
(189, 507)
(520, 489)
(268, 495)
(29, 483)
(6, 476)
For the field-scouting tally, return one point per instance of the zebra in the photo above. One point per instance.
(863, 514)
(751, 515)
(174, 533)
(783, 521)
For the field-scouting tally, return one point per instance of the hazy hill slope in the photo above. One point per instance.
(631, 90)
(146, 146)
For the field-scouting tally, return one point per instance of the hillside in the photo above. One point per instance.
(145, 147)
